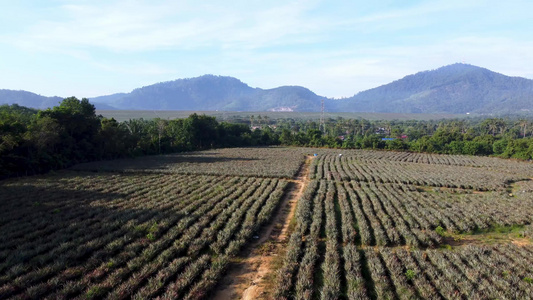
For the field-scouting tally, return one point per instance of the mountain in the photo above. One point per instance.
(28, 99)
(285, 98)
(457, 89)
(211, 92)
(33, 100)
(103, 106)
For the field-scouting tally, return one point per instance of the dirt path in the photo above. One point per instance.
(245, 277)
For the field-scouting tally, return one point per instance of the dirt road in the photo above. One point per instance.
(245, 277)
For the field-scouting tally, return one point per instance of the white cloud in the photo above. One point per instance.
(142, 68)
(312, 43)
(342, 73)
(126, 26)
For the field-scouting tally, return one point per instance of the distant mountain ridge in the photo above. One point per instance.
(210, 92)
(456, 88)
(28, 99)
(33, 100)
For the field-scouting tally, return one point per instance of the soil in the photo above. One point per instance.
(456, 242)
(245, 278)
(521, 242)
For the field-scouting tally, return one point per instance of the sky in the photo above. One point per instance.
(335, 48)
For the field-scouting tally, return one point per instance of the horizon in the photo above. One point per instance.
(90, 49)
(217, 75)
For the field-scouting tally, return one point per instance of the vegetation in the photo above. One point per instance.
(449, 171)
(126, 236)
(385, 236)
(370, 224)
(170, 232)
(272, 117)
(37, 141)
(507, 138)
(227, 161)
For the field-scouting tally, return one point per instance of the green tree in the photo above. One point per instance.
(315, 138)
(286, 137)
(113, 139)
(78, 125)
(397, 144)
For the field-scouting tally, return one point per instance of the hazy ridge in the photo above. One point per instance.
(452, 89)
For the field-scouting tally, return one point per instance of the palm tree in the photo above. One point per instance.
(494, 125)
(523, 125)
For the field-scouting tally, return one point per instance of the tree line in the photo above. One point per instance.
(33, 141)
(507, 138)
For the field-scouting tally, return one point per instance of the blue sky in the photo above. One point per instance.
(335, 48)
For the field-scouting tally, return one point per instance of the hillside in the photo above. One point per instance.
(33, 100)
(182, 94)
(457, 88)
(211, 92)
(28, 99)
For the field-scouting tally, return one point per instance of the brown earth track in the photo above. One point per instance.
(246, 274)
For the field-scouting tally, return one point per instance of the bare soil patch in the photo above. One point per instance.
(246, 275)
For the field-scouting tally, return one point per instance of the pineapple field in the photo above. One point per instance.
(368, 225)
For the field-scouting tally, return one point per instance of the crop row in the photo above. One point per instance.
(434, 159)
(328, 254)
(63, 210)
(318, 246)
(334, 167)
(470, 272)
(421, 158)
(127, 236)
(395, 214)
(258, 162)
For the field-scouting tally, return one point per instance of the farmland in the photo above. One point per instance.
(369, 225)
(263, 162)
(126, 236)
(387, 225)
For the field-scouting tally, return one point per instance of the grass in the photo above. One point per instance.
(267, 247)
(275, 264)
(497, 229)
(96, 292)
(292, 222)
(440, 231)
(493, 235)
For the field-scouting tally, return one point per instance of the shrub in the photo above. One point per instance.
(410, 274)
(440, 231)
